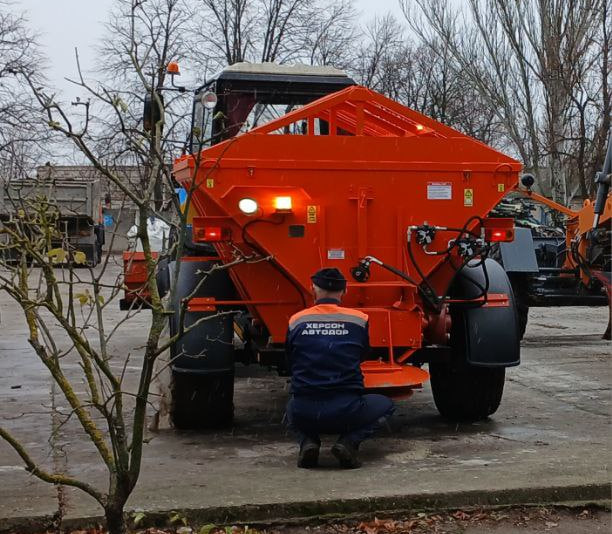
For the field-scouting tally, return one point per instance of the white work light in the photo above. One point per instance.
(248, 206)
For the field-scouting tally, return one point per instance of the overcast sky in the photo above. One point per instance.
(65, 24)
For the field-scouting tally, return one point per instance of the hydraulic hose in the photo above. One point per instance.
(424, 279)
(484, 290)
(460, 231)
(430, 299)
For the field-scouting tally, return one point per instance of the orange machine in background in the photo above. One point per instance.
(573, 270)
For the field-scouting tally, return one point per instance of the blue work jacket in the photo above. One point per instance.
(325, 346)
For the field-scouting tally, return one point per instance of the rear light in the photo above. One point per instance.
(493, 234)
(210, 234)
(498, 230)
(283, 204)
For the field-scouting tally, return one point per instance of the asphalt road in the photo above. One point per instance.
(551, 435)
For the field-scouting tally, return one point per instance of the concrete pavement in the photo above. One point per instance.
(549, 440)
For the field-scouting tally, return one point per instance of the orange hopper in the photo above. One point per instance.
(350, 176)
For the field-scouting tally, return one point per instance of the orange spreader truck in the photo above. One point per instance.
(344, 178)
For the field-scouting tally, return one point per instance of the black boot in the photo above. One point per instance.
(309, 454)
(346, 454)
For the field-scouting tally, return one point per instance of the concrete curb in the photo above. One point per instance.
(299, 512)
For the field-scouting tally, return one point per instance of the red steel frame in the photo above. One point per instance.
(355, 192)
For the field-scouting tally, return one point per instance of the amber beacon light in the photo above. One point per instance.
(283, 204)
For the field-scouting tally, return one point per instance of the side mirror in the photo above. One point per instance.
(152, 112)
(208, 100)
(527, 180)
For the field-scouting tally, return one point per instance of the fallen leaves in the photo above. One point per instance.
(378, 526)
(585, 514)
(540, 519)
(421, 523)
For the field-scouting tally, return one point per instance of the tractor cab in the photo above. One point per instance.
(245, 95)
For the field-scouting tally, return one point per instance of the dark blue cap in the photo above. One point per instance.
(329, 279)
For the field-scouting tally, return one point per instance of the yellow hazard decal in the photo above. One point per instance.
(468, 197)
(210, 183)
(501, 188)
(311, 214)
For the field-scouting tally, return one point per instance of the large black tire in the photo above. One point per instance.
(463, 392)
(203, 360)
(202, 401)
(468, 388)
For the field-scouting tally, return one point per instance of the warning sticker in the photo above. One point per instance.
(311, 214)
(501, 188)
(210, 183)
(439, 191)
(468, 197)
(335, 254)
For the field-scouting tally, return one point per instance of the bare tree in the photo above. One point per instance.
(421, 78)
(380, 54)
(280, 31)
(524, 60)
(233, 22)
(590, 109)
(142, 40)
(20, 124)
(331, 35)
(70, 309)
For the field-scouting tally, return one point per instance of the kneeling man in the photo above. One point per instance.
(325, 346)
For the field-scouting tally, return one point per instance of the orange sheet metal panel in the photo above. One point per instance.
(135, 275)
(352, 194)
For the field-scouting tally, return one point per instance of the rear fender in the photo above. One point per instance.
(491, 332)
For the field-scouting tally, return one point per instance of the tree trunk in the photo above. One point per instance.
(115, 520)
(557, 172)
(581, 163)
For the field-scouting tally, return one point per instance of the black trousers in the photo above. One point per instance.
(353, 416)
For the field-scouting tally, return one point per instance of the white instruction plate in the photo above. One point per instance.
(439, 190)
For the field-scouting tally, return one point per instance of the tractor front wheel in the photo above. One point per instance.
(201, 401)
(202, 388)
